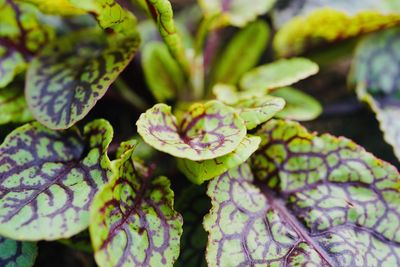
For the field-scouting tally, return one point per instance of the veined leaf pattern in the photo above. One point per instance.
(49, 178)
(72, 73)
(133, 219)
(207, 131)
(17, 254)
(318, 201)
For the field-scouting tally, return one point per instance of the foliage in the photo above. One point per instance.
(268, 191)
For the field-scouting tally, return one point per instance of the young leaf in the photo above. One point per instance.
(322, 201)
(376, 69)
(299, 106)
(49, 178)
(193, 204)
(162, 72)
(13, 106)
(327, 25)
(280, 73)
(133, 222)
(207, 130)
(200, 171)
(251, 41)
(17, 254)
(236, 12)
(72, 73)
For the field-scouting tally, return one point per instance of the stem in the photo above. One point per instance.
(129, 95)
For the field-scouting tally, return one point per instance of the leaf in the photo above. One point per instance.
(49, 178)
(193, 204)
(251, 41)
(162, 72)
(79, 242)
(55, 7)
(207, 130)
(326, 25)
(200, 171)
(254, 108)
(17, 254)
(236, 12)
(21, 35)
(376, 69)
(133, 222)
(72, 73)
(299, 106)
(13, 107)
(279, 73)
(322, 201)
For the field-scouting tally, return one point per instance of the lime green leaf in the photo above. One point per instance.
(133, 222)
(17, 254)
(49, 178)
(79, 242)
(193, 204)
(320, 201)
(72, 73)
(280, 73)
(299, 106)
(376, 71)
(327, 25)
(13, 106)
(236, 12)
(21, 35)
(207, 130)
(162, 72)
(251, 42)
(200, 171)
(55, 7)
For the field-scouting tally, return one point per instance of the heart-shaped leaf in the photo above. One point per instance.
(72, 73)
(207, 130)
(322, 201)
(17, 254)
(200, 171)
(251, 41)
(49, 178)
(163, 75)
(299, 105)
(375, 70)
(236, 12)
(283, 72)
(133, 219)
(13, 106)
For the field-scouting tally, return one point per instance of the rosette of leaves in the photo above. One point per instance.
(304, 199)
(375, 72)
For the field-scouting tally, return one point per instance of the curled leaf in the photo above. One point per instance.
(207, 130)
(299, 106)
(375, 70)
(49, 178)
(13, 107)
(72, 73)
(280, 73)
(200, 171)
(133, 219)
(17, 254)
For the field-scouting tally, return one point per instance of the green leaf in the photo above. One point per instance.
(236, 12)
(79, 242)
(251, 42)
(133, 222)
(193, 204)
(21, 36)
(324, 25)
(280, 73)
(320, 201)
(17, 254)
(72, 73)
(200, 171)
(13, 107)
(207, 131)
(55, 7)
(49, 178)
(299, 106)
(376, 69)
(162, 72)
